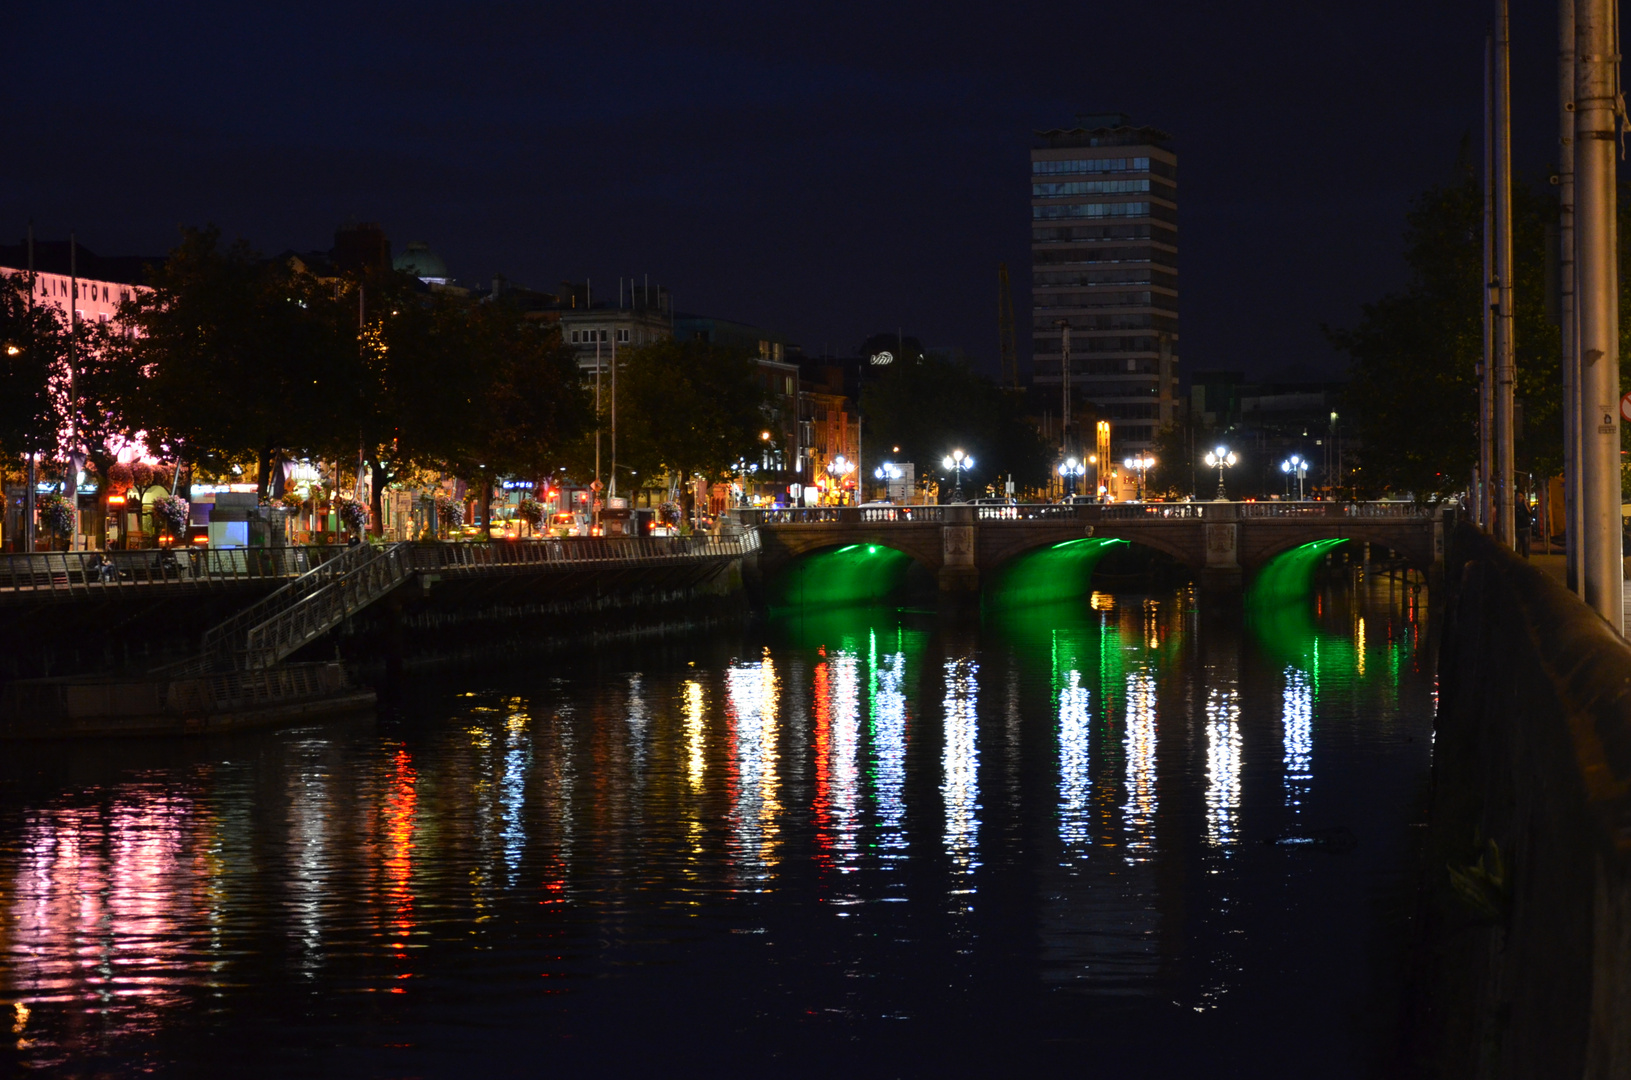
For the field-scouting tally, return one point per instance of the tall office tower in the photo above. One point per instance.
(1104, 259)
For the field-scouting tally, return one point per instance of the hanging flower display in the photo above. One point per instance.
(531, 511)
(448, 514)
(120, 478)
(173, 510)
(353, 514)
(56, 515)
(292, 500)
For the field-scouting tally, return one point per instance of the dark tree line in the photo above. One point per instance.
(1415, 353)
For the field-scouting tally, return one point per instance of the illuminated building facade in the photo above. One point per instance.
(1104, 259)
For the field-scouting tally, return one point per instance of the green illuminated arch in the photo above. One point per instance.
(841, 577)
(1048, 575)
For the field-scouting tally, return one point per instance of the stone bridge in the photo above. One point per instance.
(1222, 542)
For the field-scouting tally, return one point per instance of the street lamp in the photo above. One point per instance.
(957, 461)
(1070, 469)
(1295, 465)
(889, 473)
(1140, 464)
(1221, 458)
(839, 468)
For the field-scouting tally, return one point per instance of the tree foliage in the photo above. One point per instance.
(33, 351)
(935, 405)
(688, 409)
(1415, 353)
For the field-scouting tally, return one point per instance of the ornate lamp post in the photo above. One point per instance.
(957, 461)
(1139, 465)
(1070, 469)
(1295, 466)
(1221, 458)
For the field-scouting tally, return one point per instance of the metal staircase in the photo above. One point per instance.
(309, 606)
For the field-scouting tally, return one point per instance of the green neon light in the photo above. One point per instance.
(847, 576)
(1051, 575)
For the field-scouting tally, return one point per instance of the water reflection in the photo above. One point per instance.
(751, 692)
(960, 762)
(661, 829)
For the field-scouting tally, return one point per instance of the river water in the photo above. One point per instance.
(1119, 835)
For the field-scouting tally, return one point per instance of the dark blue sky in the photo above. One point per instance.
(827, 171)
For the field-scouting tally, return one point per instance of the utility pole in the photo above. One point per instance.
(72, 486)
(1596, 95)
(1574, 524)
(1486, 368)
(31, 497)
(611, 488)
(1505, 530)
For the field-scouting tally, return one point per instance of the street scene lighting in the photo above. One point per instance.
(1295, 466)
(1139, 465)
(1070, 469)
(1221, 458)
(839, 468)
(957, 461)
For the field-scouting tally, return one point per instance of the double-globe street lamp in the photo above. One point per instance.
(1295, 465)
(1140, 465)
(957, 461)
(1070, 470)
(890, 474)
(1221, 458)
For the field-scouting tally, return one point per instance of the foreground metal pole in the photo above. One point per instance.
(1573, 524)
(1597, 301)
(1486, 368)
(1502, 475)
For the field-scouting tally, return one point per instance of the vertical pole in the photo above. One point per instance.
(611, 488)
(594, 496)
(1486, 369)
(1573, 524)
(30, 497)
(72, 486)
(1505, 520)
(1597, 302)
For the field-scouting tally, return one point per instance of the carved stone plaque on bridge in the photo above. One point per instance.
(1220, 544)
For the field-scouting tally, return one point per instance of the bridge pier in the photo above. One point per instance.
(959, 574)
(1221, 577)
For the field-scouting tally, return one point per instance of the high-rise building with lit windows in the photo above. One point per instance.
(1104, 259)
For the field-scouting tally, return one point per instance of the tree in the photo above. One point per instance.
(231, 355)
(33, 353)
(932, 405)
(1415, 354)
(688, 408)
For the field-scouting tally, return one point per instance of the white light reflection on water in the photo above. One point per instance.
(845, 709)
(1138, 814)
(889, 750)
(960, 760)
(1222, 767)
(1297, 720)
(1075, 782)
(308, 883)
(513, 791)
(751, 691)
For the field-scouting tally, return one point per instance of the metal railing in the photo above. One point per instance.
(68, 574)
(223, 642)
(1379, 509)
(356, 585)
(263, 686)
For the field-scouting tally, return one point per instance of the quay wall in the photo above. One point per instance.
(1525, 966)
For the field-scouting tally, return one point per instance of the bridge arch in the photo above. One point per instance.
(1182, 545)
(1260, 547)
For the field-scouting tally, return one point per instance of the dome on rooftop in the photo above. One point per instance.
(423, 263)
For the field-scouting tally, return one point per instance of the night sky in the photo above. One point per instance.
(824, 171)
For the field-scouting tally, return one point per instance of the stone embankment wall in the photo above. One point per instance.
(450, 620)
(1526, 965)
